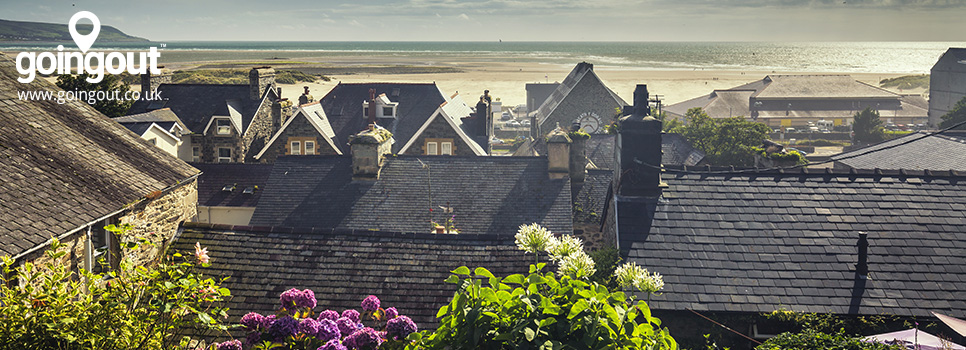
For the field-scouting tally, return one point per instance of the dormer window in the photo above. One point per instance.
(388, 112)
(223, 126)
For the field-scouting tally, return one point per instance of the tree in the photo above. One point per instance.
(112, 88)
(726, 141)
(867, 127)
(955, 116)
(667, 124)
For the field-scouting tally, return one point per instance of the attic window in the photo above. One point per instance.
(228, 188)
(388, 112)
(223, 126)
(249, 190)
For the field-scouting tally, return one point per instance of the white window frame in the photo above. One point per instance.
(224, 159)
(432, 148)
(392, 111)
(223, 129)
(196, 154)
(446, 148)
(295, 148)
(309, 148)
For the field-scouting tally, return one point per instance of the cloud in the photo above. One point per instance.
(464, 17)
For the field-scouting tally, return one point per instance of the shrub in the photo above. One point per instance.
(814, 340)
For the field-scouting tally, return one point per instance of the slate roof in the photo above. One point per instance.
(580, 71)
(489, 195)
(164, 117)
(757, 242)
(404, 270)
(64, 166)
(599, 149)
(591, 195)
(819, 86)
(215, 176)
(195, 104)
(315, 115)
(939, 152)
(417, 102)
(452, 111)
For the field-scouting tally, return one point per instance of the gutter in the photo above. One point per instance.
(91, 223)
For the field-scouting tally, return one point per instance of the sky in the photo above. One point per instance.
(515, 20)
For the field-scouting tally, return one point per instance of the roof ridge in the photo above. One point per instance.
(799, 172)
(342, 232)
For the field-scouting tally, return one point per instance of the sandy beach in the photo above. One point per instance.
(506, 78)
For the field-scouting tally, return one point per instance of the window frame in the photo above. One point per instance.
(432, 148)
(219, 126)
(196, 154)
(295, 148)
(223, 159)
(442, 148)
(309, 148)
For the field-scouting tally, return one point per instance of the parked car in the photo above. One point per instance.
(525, 123)
(803, 153)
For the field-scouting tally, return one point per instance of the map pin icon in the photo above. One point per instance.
(84, 42)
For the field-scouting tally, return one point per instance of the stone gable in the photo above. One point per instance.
(588, 96)
(302, 129)
(440, 129)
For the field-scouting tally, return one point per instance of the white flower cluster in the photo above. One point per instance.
(568, 251)
(631, 275)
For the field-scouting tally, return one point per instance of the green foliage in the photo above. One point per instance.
(955, 116)
(821, 143)
(891, 134)
(540, 311)
(606, 260)
(667, 124)
(112, 85)
(906, 82)
(867, 127)
(829, 323)
(791, 157)
(815, 340)
(134, 307)
(725, 141)
(238, 76)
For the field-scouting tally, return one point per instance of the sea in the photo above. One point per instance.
(816, 57)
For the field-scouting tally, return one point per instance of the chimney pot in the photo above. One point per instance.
(558, 154)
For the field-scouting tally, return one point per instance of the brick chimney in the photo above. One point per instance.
(150, 83)
(369, 149)
(578, 158)
(638, 151)
(260, 79)
(558, 154)
(371, 117)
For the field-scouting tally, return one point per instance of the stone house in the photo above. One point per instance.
(307, 133)
(160, 127)
(947, 84)
(228, 122)
(69, 170)
(581, 97)
(443, 133)
(229, 192)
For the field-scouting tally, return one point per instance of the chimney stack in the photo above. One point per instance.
(305, 97)
(558, 154)
(578, 158)
(260, 79)
(150, 83)
(862, 267)
(638, 151)
(369, 149)
(371, 117)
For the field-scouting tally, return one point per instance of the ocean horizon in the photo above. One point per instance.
(811, 57)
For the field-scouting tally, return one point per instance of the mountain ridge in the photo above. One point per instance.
(21, 31)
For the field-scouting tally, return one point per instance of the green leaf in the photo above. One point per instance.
(480, 271)
(452, 279)
(224, 292)
(442, 311)
(462, 270)
(414, 336)
(529, 334)
(489, 295)
(578, 307)
(535, 279)
(547, 321)
(515, 279)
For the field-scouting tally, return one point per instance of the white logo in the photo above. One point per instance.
(62, 62)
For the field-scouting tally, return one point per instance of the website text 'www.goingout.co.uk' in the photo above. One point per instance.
(91, 97)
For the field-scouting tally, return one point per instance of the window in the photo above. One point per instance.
(295, 148)
(431, 148)
(153, 142)
(387, 112)
(224, 126)
(224, 155)
(446, 148)
(365, 111)
(309, 147)
(195, 154)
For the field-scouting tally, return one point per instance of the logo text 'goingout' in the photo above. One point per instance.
(93, 63)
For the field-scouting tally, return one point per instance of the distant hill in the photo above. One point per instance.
(36, 31)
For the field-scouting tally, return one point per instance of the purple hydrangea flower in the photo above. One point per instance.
(391, 313)
(345, 325)
(253, 338)
(363, 339)
(328, 315)
(333, 344)
(351, 314)
(370, 303)
(283, 328)
(267, 322)
(230, 345)
(252, 321)
(287, 298)
(400, 327)
(328, 330)
(309, 327)
(306, 299)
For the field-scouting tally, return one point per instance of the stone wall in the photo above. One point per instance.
(301, 128)
(589, 96)
(158, 219)
(262, 127)
(210, 143)
(440, 129)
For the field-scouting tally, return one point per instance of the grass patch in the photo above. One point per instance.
(906, 82)
(239, 76)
